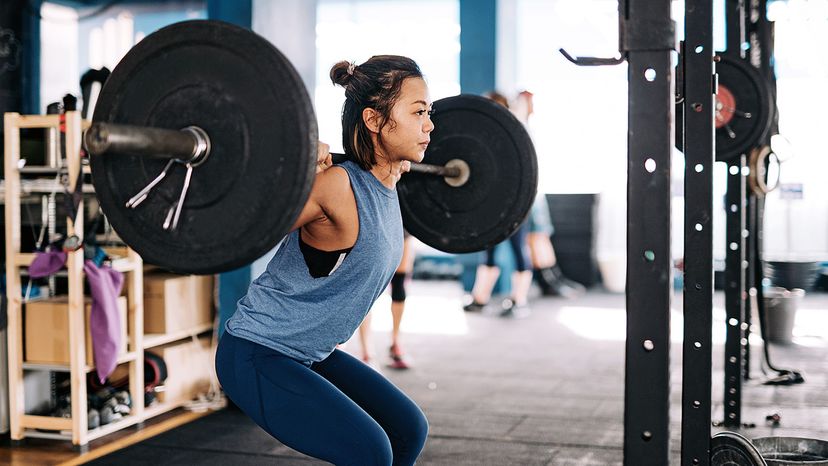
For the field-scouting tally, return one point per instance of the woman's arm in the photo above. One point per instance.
(330, 193)
(313, 209)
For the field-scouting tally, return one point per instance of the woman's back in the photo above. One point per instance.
(288, 310)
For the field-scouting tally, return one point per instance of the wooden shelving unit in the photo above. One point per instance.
(151, 340)
(24, 425)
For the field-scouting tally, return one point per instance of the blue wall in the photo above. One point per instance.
(231, 285)
(478, 28)
(237, 12)
(31, 58)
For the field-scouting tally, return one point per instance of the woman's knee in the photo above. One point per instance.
(412, 435)
(375, 449)
(398, 287)
(420, 430)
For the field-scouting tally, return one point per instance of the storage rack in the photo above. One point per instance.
(75, 428)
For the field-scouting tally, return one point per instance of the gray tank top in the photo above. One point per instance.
(304, 317)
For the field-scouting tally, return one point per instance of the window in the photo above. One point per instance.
(798, 228)
(75, 40)
(580, 122)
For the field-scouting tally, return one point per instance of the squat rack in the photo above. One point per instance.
(646, 41)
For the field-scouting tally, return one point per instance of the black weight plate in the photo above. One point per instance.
(501, 187)
(251, 102)
(732, 449)
(749, 118)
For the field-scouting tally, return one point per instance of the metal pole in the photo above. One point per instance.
(734, 289)
(648, 40)
(749, 268)
(699, 144)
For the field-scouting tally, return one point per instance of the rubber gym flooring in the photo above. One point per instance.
(544, 390)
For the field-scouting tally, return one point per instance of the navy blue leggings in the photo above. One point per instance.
(338, 410)
(519, 249)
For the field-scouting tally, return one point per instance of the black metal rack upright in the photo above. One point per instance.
(648, 40)
(697, 103)
(734, 292)
(749, 38)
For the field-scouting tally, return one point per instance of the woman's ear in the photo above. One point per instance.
(371, 119)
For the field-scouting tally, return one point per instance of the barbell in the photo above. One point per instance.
(203, 150)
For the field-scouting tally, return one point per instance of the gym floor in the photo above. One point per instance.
(544, 390)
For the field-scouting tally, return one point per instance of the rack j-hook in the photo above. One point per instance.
(592, 61)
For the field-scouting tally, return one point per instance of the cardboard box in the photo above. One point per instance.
(177, 302)
(47, 330)
(189, 369)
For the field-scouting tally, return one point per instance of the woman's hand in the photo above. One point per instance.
(323, 157)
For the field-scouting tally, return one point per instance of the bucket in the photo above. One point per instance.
(785, 451)
(780, 313)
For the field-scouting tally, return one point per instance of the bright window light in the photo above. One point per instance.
(428, 31)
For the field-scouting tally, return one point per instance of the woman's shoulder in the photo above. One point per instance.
(334, 182)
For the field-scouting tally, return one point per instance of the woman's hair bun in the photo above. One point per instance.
(340, 73)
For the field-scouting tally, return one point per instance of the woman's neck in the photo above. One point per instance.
(387, 172)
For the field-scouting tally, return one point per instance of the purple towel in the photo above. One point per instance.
(47, 263)
(105, 319)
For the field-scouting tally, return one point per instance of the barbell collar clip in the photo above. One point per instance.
(137, 199)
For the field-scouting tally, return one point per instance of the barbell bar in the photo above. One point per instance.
(190, 145)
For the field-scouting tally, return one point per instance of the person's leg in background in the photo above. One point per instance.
(484, 282)
(517, 303)
(547, 274)
(365, 340)
(543, 259)
(398, 296)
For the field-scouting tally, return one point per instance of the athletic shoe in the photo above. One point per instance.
(397, 359)
(516, 311)
(474, 306)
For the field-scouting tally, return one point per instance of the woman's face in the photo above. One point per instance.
(408, 133)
